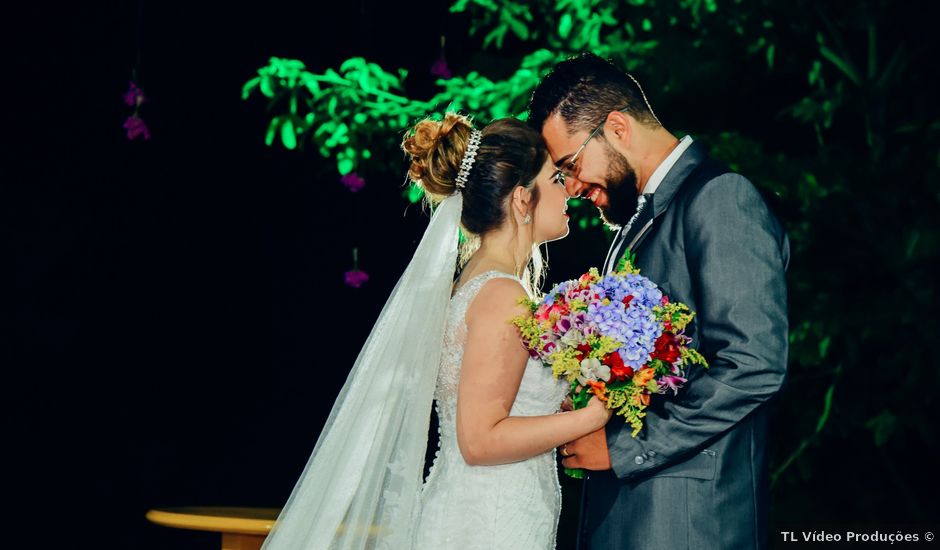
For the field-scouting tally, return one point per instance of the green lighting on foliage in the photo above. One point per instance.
(288, 136)
(349, 113)
(564, 25)
(414, 193)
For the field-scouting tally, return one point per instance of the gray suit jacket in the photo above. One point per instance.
(695, 477)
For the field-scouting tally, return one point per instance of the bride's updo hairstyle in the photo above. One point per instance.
(510, 154)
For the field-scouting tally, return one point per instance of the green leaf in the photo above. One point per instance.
(843, 65)
(564, 25)
(356, 63)
(496, 35)
(345, 166)
(883, 427)
(459, 6)
(827, 406)
(414, 193)
(814, 73)
(518, 27)
(272, 131)
(249, 86)
(267, 86)
(824, 347)
(288, 135)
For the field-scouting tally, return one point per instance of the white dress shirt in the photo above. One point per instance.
(656, 178)
(659, 174)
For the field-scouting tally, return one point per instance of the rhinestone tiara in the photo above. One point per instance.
(468, 157)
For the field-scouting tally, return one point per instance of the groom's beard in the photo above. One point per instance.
(621, 189)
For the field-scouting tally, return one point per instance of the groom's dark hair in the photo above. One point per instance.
(583, 89)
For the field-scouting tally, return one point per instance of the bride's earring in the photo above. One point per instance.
(527, 219)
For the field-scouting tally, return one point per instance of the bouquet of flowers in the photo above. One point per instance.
(617, 336)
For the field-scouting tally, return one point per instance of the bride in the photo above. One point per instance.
(494, 483)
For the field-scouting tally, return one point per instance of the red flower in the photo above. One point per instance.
(667, 348)
(585, 349)
(627, 300)
(621, 373)
(618, 371)
(541, 314)
(558, 309)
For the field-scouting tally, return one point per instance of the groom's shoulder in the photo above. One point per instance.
(712, 177)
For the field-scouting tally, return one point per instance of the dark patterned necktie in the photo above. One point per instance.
(644, 213)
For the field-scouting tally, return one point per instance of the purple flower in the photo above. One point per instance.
(353, 181)
(356, 278)
(135, 127)
(134, 96)
(440, 68)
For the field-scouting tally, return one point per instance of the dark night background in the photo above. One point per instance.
(180, 316)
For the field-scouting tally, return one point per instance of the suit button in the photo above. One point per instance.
(639, 460)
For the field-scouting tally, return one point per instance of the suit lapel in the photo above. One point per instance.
(687, 163)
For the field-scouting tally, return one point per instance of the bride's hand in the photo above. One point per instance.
(599, 411)
(568, 403)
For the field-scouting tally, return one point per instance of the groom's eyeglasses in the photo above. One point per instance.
(569, 167)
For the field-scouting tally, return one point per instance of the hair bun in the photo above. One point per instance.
(436, 148)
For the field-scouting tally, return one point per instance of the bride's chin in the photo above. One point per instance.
(562, 234)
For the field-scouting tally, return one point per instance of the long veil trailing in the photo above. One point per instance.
(360, 486)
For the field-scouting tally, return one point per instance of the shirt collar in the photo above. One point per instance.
(660, 173)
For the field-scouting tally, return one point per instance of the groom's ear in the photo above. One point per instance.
(619, 129)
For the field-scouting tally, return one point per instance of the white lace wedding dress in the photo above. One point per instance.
(505, 507)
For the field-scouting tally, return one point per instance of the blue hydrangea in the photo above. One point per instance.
(635, 326)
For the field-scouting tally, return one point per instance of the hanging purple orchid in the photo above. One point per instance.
(136, 127)
(353, 181)
(134, 96)
(355, 277)
(440, 69)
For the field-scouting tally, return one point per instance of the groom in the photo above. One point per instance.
(695, 477)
